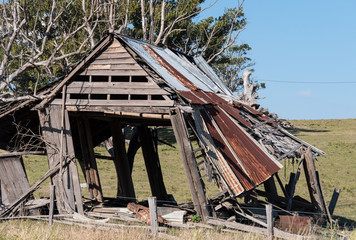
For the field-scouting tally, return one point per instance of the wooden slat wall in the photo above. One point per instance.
(113, 78)
(13, 179)
(114, 61)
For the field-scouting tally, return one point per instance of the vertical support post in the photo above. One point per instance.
(152, 204)
(189, 162)
(269, 215)
(51, 203)
(293, 184)
(125, 184)
(88, 159)
(270, 187)
(314, 188)
(68, 193)
(152, 163)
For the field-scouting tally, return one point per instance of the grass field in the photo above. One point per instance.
(335, 137)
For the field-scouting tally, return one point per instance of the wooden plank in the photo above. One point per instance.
(88, 158)
(269, 217)
(123, 85)
(13, 179)
(122, 59)
(125, 184)
(152, 203)
(113, 56)
(51, 203)
(114, 67)
(312, 182)
(50, 119)
(99, 109)
(110, 72)
(189, 162)
(10, 154)
(117, 90)
(152, 163)
(104, 102)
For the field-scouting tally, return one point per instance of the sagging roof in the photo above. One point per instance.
(241, 142)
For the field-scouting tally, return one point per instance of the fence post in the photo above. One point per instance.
(152, 204)
(269, 216)
(51, 203)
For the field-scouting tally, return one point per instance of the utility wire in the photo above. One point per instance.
(311, 82)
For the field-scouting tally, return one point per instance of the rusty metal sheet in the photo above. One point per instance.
(294, 224)
(258, 164)
(227, 154)
(228, 107)
(193, 99)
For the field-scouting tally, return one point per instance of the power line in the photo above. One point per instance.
(304, 82)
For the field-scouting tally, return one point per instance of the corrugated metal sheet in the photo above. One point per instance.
(204, 66)
(243, 164)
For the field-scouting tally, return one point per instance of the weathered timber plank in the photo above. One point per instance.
(114, 67)
(312, 182)
(50, 119)
(131, 103)
(189, 162)
(122, 72)
(88, 157)
(116, 90)
(132, 85)
(122, 59)
(103, 108)
(13, 179)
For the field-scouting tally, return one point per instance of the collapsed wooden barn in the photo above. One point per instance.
(124, 81)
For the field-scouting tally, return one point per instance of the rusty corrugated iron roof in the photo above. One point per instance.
(239, 159)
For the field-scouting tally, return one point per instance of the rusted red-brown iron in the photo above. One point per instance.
(143, 213)
(294, 224)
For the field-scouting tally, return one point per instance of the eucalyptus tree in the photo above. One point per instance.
(42, 40)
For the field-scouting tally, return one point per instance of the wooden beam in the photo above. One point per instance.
(189, 162)
(68, 193)
(88, 159)
(333, 200)
(152, 163)
(314, 188)
(125, 184)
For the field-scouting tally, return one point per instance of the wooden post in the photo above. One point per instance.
(68, 193)
(333, 200)
(152, 163)
(88, 160)
(51, 203)
(152, 204)
(125, 185)
(270, 187)
(269, 216)
(133, 147)
(190, 164)
(312, 182)
(293, 184)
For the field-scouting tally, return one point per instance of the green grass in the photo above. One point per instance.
(338, 170)
(335, 137)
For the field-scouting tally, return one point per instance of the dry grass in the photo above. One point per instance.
(41, 230)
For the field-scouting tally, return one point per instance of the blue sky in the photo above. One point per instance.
(302, 41)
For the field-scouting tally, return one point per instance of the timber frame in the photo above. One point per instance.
(125, 82)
